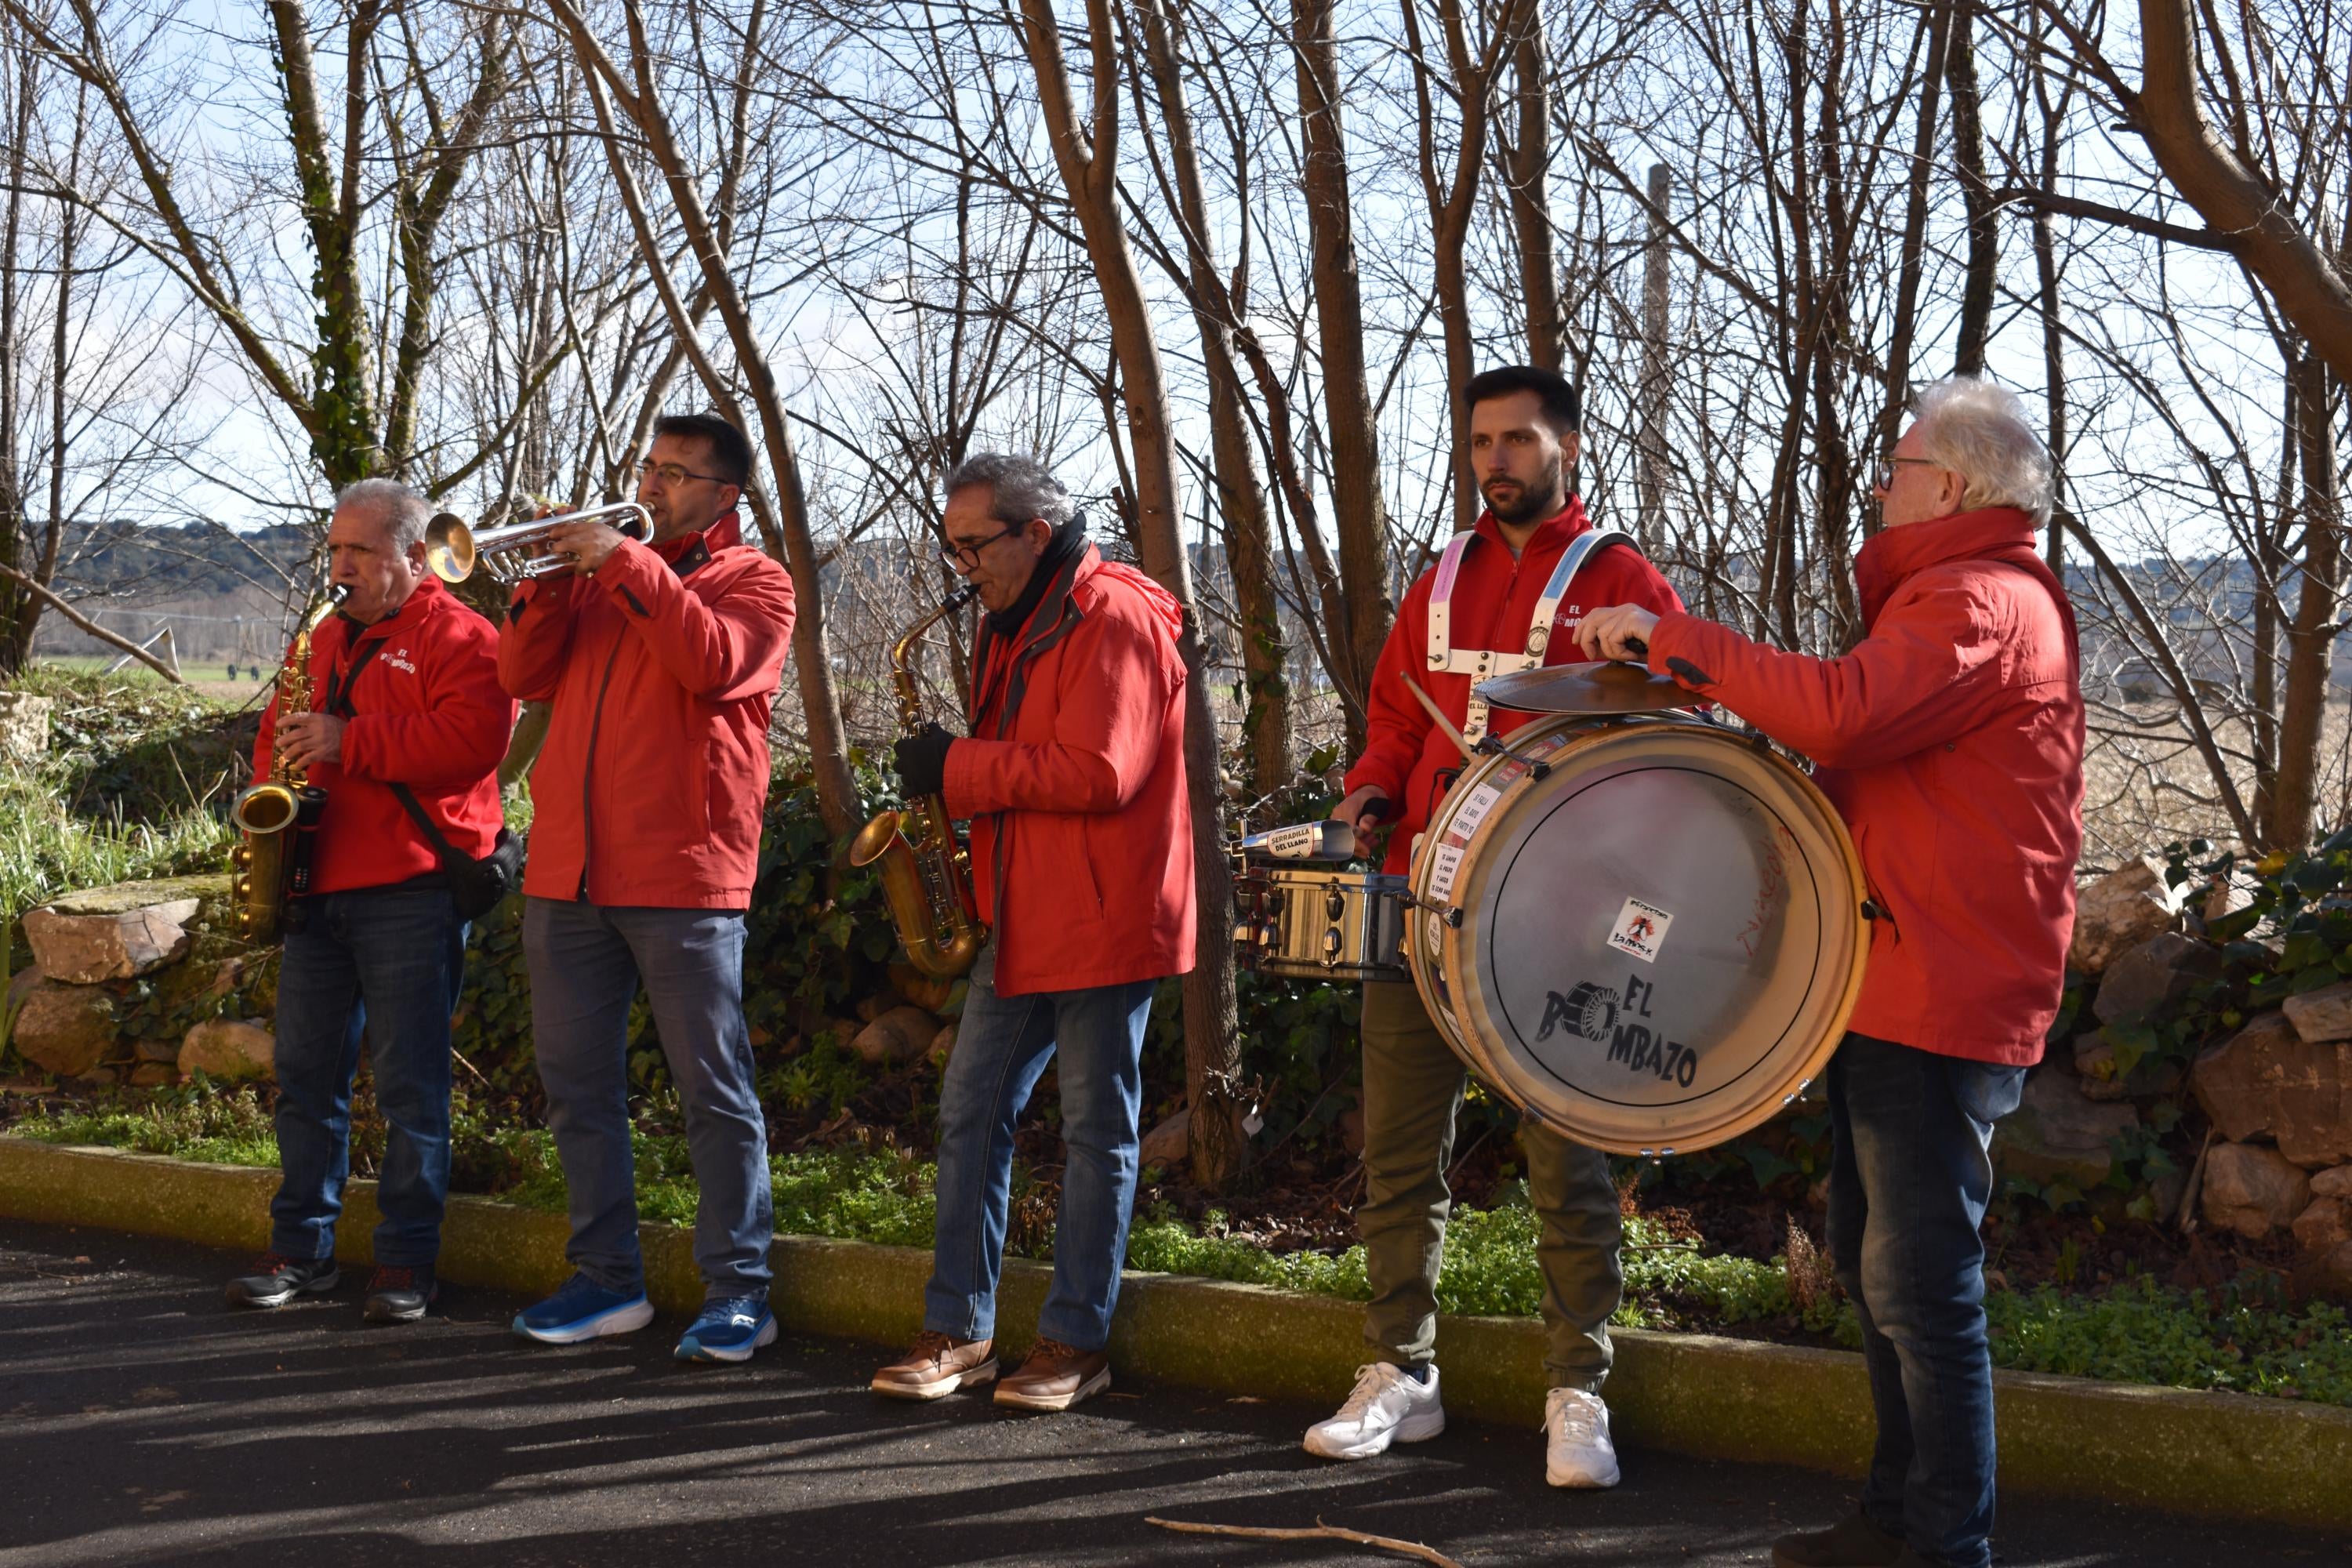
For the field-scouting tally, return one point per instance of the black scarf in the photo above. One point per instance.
(1068, 540)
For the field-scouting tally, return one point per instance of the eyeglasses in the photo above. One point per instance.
(671, 474)
(1884, 475)
(966, 557)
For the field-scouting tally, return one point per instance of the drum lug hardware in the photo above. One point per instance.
(1538, 769)
(1451, 916)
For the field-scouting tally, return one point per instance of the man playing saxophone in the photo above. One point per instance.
(662, 660)
(402, 693)
(1082, 857)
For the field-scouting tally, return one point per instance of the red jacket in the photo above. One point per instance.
(663, 668)
(1951, 741)
(1494, 599)
(426, 711)
(1074, 780)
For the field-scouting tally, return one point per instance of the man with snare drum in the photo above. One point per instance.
(1950, 739)
(1506, 595)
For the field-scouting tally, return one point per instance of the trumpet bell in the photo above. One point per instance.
(453, 549)
(450, 551)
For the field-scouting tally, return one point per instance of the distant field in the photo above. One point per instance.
(210, 676)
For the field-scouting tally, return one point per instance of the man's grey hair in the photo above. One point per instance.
(1019, 488)
(1979, 431)
(401, 509)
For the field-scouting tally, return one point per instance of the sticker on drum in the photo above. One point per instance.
(1474, 807)
(1441, 874)
(1641, 929)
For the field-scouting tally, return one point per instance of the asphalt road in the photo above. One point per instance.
(142, 1422)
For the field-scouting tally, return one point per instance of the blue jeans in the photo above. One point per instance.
(1910, 1179)
(1002, 1044)
(383, 965)
(585, 962)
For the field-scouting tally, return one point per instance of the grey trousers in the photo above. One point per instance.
(1413, 1091)
(585, 962)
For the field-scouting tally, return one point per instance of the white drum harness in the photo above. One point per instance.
(1480, 663)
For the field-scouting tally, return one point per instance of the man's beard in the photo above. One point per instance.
(1535, 502)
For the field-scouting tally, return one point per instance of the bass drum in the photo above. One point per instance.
(1647, 934)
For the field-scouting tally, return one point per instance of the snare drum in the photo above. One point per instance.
(1647, 933)
(1313, 924)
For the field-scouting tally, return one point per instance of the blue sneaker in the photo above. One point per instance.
(728, 1330)
(583, 1310)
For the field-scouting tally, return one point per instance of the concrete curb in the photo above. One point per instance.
(2232, 1455)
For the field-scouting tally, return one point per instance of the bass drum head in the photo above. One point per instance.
(1660, 940)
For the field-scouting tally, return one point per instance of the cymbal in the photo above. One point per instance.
(1607, 687)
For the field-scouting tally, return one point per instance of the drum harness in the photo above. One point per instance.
(1480, 663)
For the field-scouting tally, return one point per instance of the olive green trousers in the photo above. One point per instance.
(1413, 1091)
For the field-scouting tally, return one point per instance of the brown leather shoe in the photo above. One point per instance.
(936, 1365)
(1054, 1377)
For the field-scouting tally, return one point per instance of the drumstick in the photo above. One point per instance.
(1438, 718)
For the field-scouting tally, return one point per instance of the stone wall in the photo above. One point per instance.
(142, 984)
(2276, 1088)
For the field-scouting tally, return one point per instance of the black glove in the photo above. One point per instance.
(921, 759)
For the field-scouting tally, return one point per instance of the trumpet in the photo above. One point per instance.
(453, 548)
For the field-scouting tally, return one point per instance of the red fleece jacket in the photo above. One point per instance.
(663, 668)
(1074, 780)
(1951, 740)
(426, 711)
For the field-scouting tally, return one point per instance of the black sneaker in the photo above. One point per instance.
(400, 1295)
(276, 1280)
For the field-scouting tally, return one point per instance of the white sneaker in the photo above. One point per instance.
(1577, 1450)
(1386, 1408)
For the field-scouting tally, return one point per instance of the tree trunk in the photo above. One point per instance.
(1241, 492)
(20, 611)
(1976, 192)
(345, 440)
(1452, 200)
(2309, 290)
(837, 786)
(1913, 254)
(1359, 513)
(1657, 278)
(1086, 157)
(1530, 193)
(2311, 640)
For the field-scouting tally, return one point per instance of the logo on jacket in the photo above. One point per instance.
(398, 659)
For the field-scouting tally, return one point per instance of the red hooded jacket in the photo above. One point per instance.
(1074, 780)
(663, 668)
(1494, 599)
(1951, 741)
(426, 711)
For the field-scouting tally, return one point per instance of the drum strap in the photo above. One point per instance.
(1480, 663)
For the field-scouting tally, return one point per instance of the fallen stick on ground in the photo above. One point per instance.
(1321, 1532)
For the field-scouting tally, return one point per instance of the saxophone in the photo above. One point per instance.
(926, 873)
(276, 815)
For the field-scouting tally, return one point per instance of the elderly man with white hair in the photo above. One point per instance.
(404, 732)
(1950, 739)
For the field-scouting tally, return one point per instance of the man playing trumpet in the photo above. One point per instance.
(662, 660)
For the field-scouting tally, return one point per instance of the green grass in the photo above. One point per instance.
(45, 851)
(2245, 1338)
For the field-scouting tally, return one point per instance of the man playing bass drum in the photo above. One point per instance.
(1498, 600)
